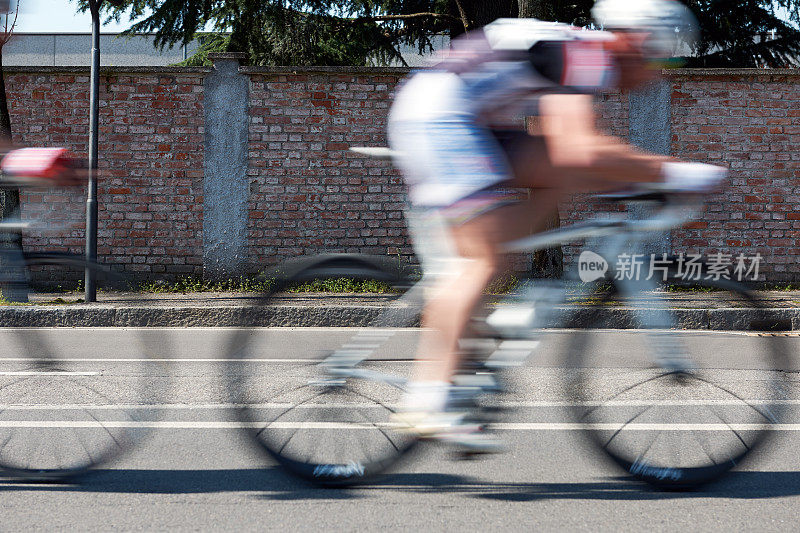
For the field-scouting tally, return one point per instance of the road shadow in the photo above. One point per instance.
(143, 481)
(273, 484)
(737, 485)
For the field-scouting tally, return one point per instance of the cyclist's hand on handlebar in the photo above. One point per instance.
(43, 167)
(693, 177)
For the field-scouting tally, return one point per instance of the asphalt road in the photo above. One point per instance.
(197, 471)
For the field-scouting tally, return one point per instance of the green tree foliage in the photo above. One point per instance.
(741, 33)
(576, 12)
(355, 32)
(738, 34)
(292, 32)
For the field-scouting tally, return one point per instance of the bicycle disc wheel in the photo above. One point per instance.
(679, 428)
(319, 401)
(71, 398)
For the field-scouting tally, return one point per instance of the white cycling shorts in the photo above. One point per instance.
(444, 153)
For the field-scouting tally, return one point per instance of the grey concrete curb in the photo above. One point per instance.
(726, 319)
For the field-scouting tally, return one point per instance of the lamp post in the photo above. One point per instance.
(94, 133)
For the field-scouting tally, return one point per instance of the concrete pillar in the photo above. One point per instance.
(650, 116)
(225, 186)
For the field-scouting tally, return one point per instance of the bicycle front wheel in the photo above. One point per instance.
(685, 424)
(320, 401)
(74, 393)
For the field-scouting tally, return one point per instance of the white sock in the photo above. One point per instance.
(693, 176)
(428, 396)
(511, 317)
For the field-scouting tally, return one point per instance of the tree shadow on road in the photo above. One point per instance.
(274, 484)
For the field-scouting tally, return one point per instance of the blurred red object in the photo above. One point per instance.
(45, 166)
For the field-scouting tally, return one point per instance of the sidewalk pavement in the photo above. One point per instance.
(693, 310)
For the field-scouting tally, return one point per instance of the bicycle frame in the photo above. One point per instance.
(625, 234)
(438, 258)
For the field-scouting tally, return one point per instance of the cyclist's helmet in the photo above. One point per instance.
(672, 26)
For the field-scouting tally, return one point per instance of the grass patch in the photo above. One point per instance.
(4, 302)
(60, 288)
(260, 284)
(56, 301)
(502, 285)
(692, 288)
(61, 301)
(193, 284)
(343, 285)
(778, 287)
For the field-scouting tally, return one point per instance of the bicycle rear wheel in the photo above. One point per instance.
(323, 410)
(673, 428)
(71, 397)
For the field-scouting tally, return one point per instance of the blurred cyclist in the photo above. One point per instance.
(43, 167)
(456, 130)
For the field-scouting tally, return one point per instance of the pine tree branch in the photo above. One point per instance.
(384, 18)
(463, 15)
(376, 18)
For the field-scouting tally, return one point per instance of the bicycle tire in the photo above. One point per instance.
(320, 428)
(628, 409)
(60, 415)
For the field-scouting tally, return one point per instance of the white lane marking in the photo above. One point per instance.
(359, 346)
(179, 360)
(643, 403)
(49, 373)
(613, 426)
(618, 403)
(369, 331)
(182, 360)
(519, 345)
(545, 426)
(286, 405)
(193, 330)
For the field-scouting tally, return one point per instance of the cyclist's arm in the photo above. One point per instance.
(568, 124)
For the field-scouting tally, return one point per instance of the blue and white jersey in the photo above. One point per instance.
(507, 64)
(440, 120)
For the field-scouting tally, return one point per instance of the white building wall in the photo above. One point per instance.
(74, 50)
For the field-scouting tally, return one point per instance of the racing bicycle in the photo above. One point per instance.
(671, 406)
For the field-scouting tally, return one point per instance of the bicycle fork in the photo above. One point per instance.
(667, 350)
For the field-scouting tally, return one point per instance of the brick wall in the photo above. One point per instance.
(751, 124)
(308, 194)
(150, 187)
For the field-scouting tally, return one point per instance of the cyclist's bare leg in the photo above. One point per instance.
(447, 314)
